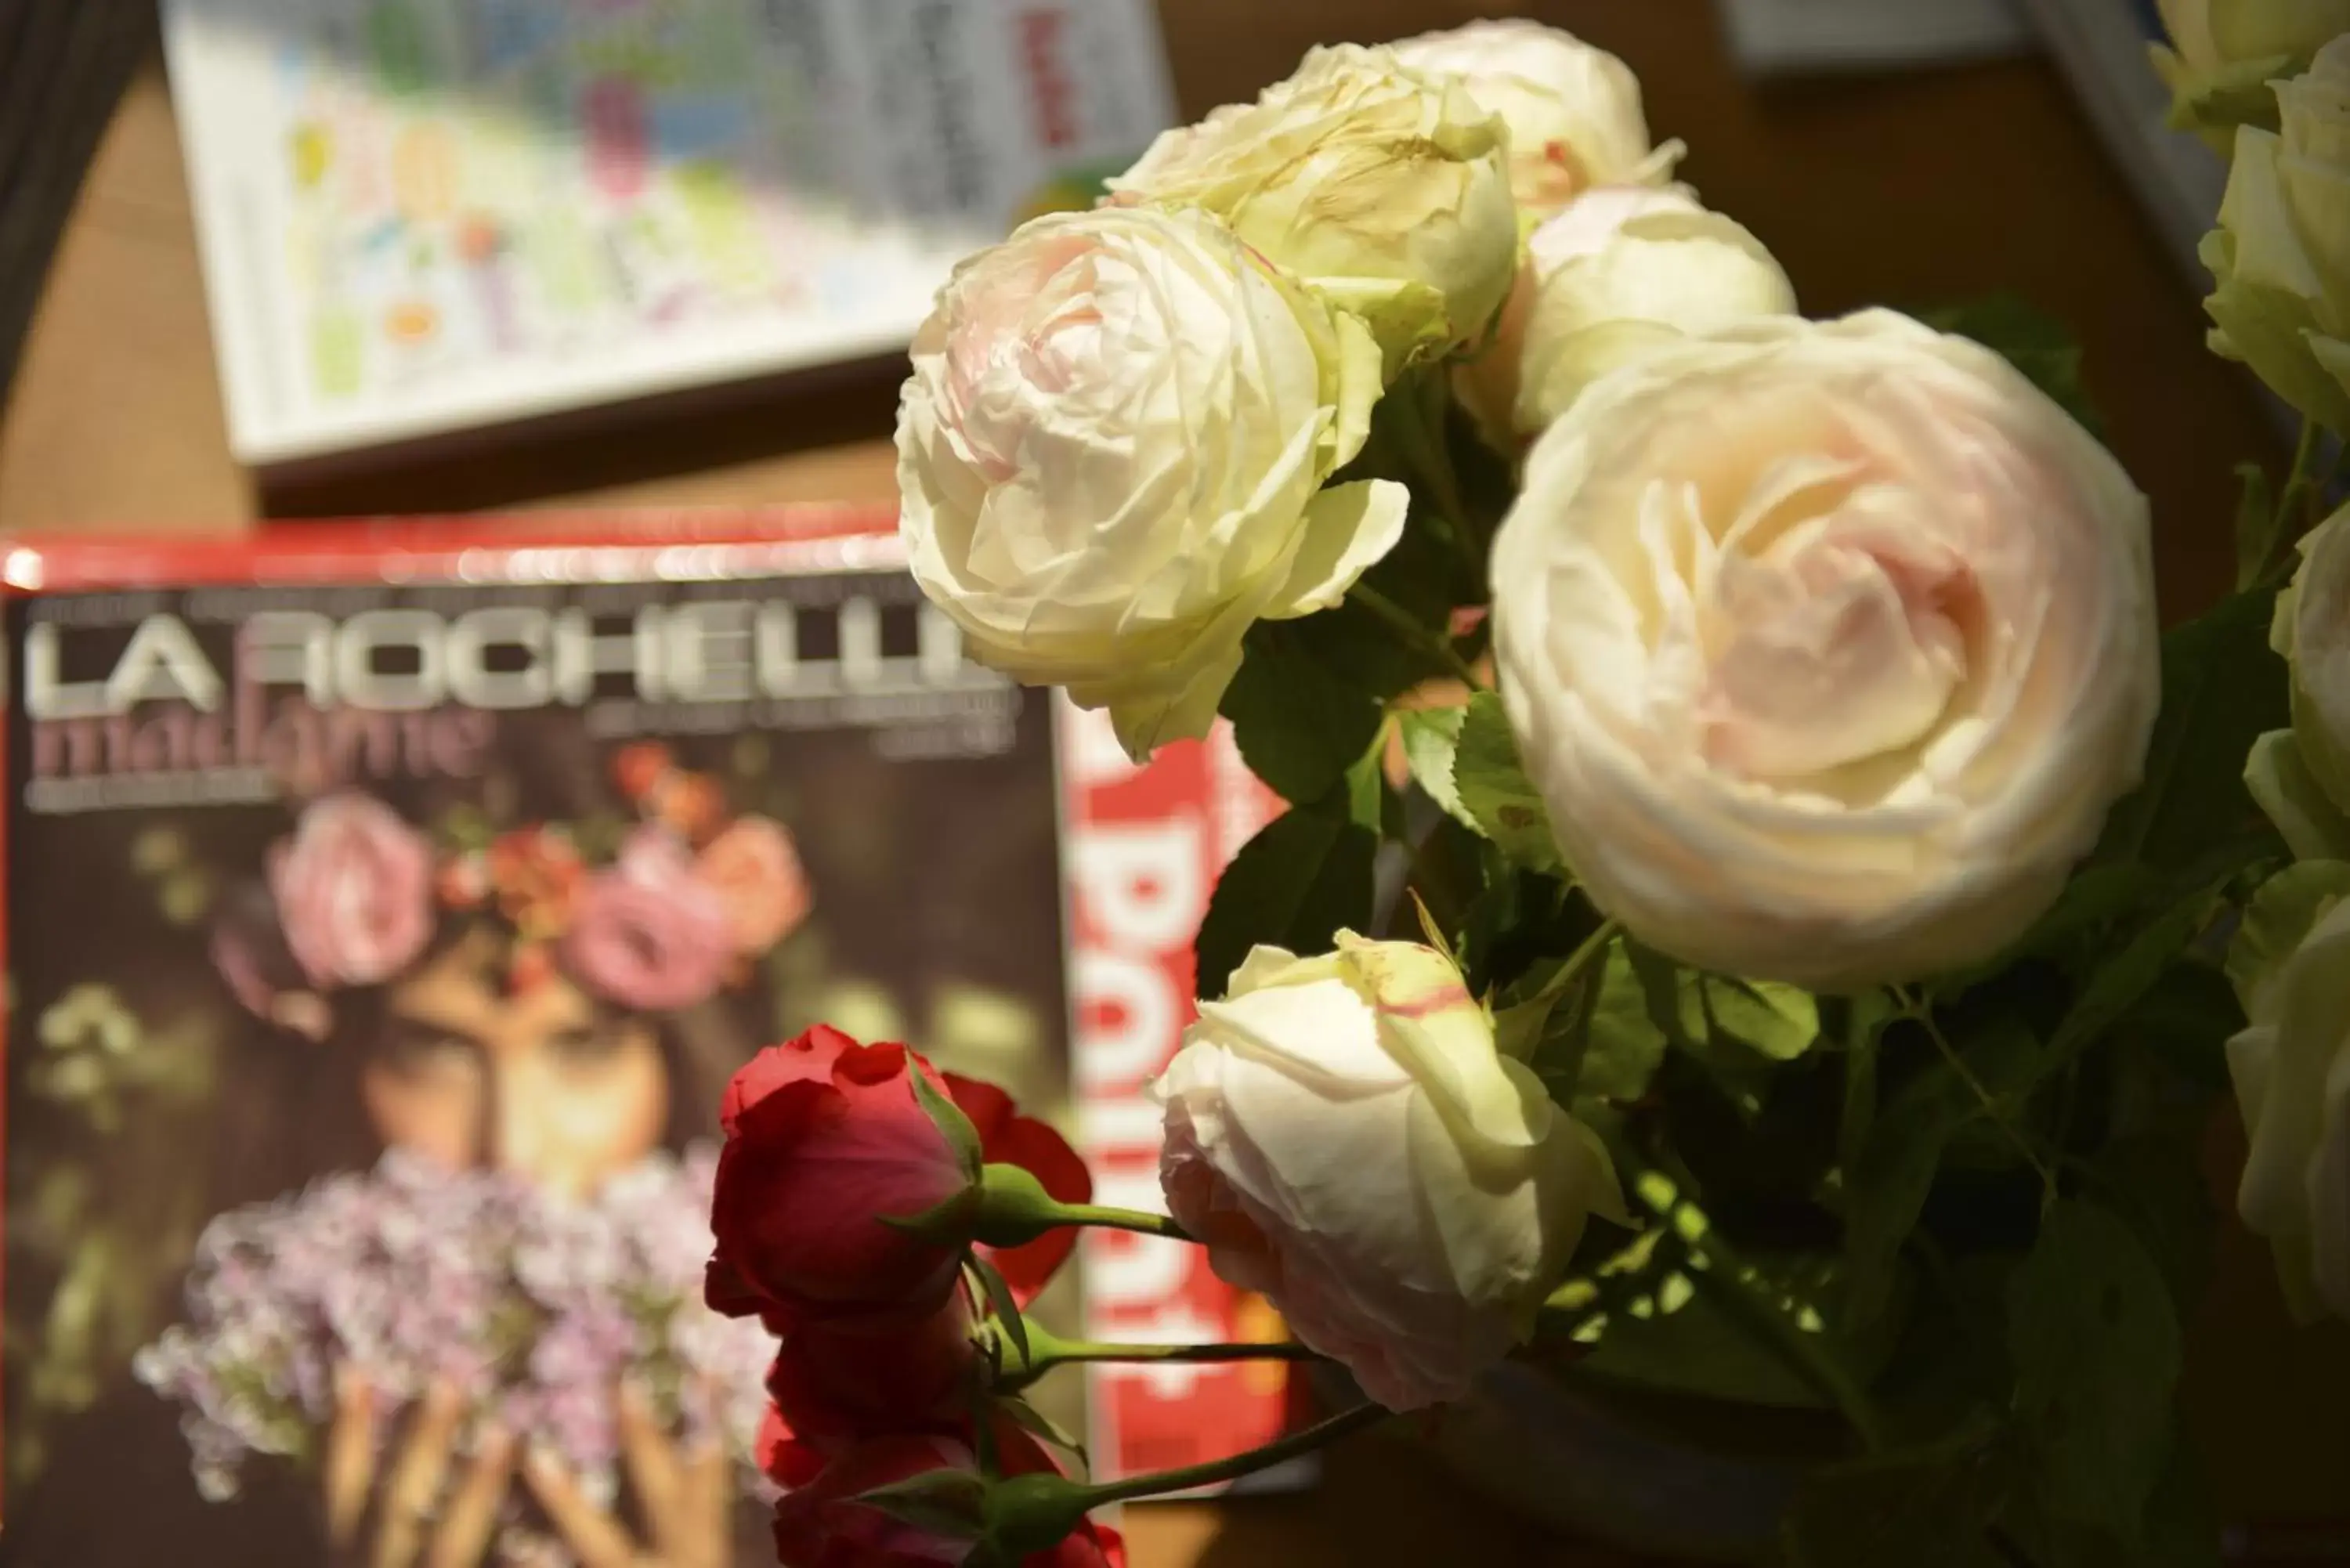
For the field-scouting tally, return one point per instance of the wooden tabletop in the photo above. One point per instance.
(1912, 190)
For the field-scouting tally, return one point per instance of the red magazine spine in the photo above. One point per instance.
(1144, 846)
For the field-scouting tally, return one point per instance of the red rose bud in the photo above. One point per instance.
(781, 1456)
(919, 1501)
(836, 1384)
(1008, 1138)
(824, 1525)
(828, 1142)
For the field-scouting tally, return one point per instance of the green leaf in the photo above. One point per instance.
(1777, 1021)
(1624, 1047)
(1038, 1424)
(2123, 980)
(1299, 882)
(1493, 789)
(1522, 1032)
(960, 1135)
(1002, 1303)
(1299, 724)
(1865, 1024)
(1418, 576)
(2157, 1185)
(1431, 736)
(1887, 1186)
(2279, 919)
(2257, 525)
(1737, 1030)
(1916, 1508)
(948, 1503)
(1663, 1333)
(2222, 688)
(2094, 1343)
(2028, 338)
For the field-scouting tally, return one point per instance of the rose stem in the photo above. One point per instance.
(1923, 1015)
(1133, 1219)
(1279, 1451)
(1414, 635)
(1047, 1351)
(1417, 419)
(1719, 1272)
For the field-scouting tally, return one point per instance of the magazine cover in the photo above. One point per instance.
(422, 215)
(382, 925)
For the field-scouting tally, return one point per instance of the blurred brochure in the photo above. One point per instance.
(2101, 47)
(418, 216)
(1792, 36)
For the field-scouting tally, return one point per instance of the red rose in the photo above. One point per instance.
(1008, 1137)
(838, 1384)
(824, 1141)
(819, 1525)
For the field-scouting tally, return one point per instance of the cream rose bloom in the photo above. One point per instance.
(1388, 189)
(1112, 454)
(1573, 112)
(1827, 645)
(1343, 1136)
(1622, 271)
(2281, 255)
(2291, 1066)
(2300, 777)
(2223, 50)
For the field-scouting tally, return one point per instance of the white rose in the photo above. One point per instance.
(2280, 256)
(1344, 1137)
(1112, 454)
(1827, 645)
(1623, 270)
(1387, 189)
(2291, 1066)
(2300, 777)
(2223, 48)
(1573, 112)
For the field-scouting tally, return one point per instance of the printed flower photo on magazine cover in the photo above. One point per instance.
(421, 1082)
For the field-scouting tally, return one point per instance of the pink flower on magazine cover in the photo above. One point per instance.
(649, 933)
(756, 872)
(353, 888)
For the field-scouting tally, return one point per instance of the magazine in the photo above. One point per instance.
(418, 216)
(386, 907)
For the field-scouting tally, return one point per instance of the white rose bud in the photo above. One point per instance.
(1112, 454)
(2282, 253)
(2292, 1072)
(2300, 777)
(1620, 272)
(2221, 51)
(1343, 1136)
(1828, 646)
(1573, 112)
(1388, 189)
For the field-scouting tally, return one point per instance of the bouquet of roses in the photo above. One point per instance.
(534, 1309)
(1764, 913)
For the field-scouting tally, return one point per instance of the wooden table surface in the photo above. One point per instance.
(1901, 189)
